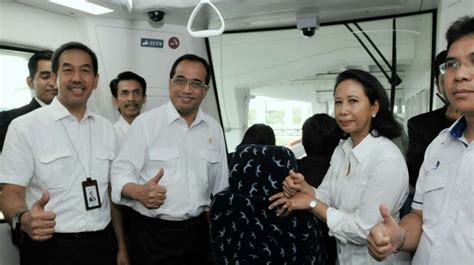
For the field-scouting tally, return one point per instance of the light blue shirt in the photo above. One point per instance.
(445, 194)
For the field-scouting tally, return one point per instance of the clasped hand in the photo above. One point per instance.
(296, 195)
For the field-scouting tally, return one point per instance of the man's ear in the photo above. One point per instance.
(96, 81)
(114, 101)
(29, 82)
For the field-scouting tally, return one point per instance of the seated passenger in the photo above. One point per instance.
(245, 231)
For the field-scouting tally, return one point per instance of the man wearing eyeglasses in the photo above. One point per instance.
(440, 227)
(172, 160)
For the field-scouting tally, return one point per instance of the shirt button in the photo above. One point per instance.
(438, 244)
(450, 215)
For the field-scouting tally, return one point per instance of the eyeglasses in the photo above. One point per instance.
(453, 65)
(192, 83)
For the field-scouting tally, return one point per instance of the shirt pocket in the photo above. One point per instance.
(101, 166)
(210, 164)
(54, 169)
(433, 199)
(166, 158)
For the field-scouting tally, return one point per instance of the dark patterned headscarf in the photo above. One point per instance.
(245, 231)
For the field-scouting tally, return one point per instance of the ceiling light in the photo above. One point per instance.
(83, 6)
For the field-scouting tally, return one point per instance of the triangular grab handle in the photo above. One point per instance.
(209, 32)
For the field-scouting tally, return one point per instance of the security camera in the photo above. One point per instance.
(308, 32)
(307, 23)
(156, 15)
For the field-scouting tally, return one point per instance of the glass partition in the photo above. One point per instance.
(280, 78)
(14, 91)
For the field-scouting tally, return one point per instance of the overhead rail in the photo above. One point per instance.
(209, 32)
(394, 79)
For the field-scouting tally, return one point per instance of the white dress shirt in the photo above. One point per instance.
(377, 174)
(193, 159)
(445, 194)
(38, 154)
(121, 127)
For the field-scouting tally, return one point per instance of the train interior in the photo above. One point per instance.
(274, 63)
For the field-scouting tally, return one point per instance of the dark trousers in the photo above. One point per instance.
(156, 241)
(88, 248)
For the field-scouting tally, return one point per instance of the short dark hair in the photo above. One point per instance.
(71, 46)
(128, 75)
(461, 27)
(439, 59)
(193, 58)
(321, 135)
(37, 56)
(259, 133)
(384, 122)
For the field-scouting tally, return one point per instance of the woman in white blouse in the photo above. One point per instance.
(366, 170)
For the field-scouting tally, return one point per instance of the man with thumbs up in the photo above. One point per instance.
(440, 227)
(172, 160)
(55, 168)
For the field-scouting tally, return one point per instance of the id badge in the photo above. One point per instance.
(91, 194)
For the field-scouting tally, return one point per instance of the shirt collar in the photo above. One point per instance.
(42, 104)
(362, 150)
(123, 124)
(457, 129)
(173, 115)
(59, 111)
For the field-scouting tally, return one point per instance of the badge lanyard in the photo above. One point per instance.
(90, 188)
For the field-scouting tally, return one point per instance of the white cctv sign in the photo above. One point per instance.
(151, 43)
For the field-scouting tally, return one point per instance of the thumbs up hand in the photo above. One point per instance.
(386, 237)
(151, 194)
(38, 223)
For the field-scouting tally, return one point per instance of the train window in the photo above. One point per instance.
(279, 77)
(14, 91)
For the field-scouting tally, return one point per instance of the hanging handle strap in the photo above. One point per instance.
(209, 32)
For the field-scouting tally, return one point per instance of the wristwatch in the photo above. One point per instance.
(16, 224)
(312, 204)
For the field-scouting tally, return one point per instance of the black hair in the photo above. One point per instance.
(193, 58)
(439, 59)
(71, 46)
(321, 135)
(384, 122)
(128, 75)
(259, 133)
(37, 56)
(461, 27)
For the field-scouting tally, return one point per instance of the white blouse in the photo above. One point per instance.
(359, 180)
